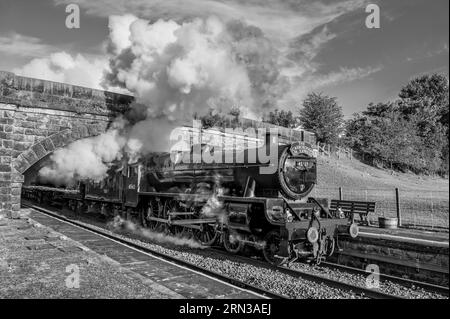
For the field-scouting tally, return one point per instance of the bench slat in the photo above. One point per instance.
(356, 207)
(353, 206)
(335, 201)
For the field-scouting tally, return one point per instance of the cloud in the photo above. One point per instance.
(63, 67)
(307, 47)
(316, 82)
(441, 49)
(344, 75)
(15, 44)
(279, 19)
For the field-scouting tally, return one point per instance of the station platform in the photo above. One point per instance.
(407, 235)
(416, 254)
(43, 258)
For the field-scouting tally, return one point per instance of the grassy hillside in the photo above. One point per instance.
(355, 174)
(424, 200)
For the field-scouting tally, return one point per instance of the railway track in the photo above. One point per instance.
(257, 292)
(403, 281)
(366, 292)
(354, 289)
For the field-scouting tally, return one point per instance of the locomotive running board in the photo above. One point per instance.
(183, 196)
(181, 213)
(184, 222)
(205, 197)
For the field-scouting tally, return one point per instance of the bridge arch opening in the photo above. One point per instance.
(25, 167)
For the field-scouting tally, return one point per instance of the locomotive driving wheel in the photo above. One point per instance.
(272, 247)
(186, 232)
(173, 206)
(206, 235)
(231, 242)
(154, 209)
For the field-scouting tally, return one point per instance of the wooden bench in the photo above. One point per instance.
(351, 207)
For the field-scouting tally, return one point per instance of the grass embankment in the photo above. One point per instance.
(424, 200)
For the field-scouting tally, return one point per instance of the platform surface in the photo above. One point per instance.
(38, 255)
(429, 238)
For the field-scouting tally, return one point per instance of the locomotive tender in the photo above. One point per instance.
(229, 202)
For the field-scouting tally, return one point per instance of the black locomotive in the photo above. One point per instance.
(222, 201)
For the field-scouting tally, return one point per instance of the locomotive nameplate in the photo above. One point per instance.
(299, 148)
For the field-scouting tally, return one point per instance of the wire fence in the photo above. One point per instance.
(417, 208)
(338, 152)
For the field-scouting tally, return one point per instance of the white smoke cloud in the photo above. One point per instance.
(85, 159)
(119, 31)
(177, 69)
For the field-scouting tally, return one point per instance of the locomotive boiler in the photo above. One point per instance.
(254, 196)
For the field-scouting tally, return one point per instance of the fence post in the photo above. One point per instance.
(340, 193)
(432, 210)
(397, 207)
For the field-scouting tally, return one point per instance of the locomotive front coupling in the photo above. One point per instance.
(314, 239)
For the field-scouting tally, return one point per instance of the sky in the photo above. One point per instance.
(321, 46)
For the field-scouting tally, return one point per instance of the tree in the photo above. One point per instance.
(431, 88)
(384, 135)
(322, 115)
(216, 119)
(425, 101)
(282, 118)
(386, 138)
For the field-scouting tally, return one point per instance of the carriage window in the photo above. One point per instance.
(132, 171)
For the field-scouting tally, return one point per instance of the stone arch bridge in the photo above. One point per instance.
(37, 117)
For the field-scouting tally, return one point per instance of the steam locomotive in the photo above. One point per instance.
(222, 201)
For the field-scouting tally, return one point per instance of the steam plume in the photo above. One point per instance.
(84, 159)
(175, 70)
(119, 223)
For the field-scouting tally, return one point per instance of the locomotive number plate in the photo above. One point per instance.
(303, 164)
